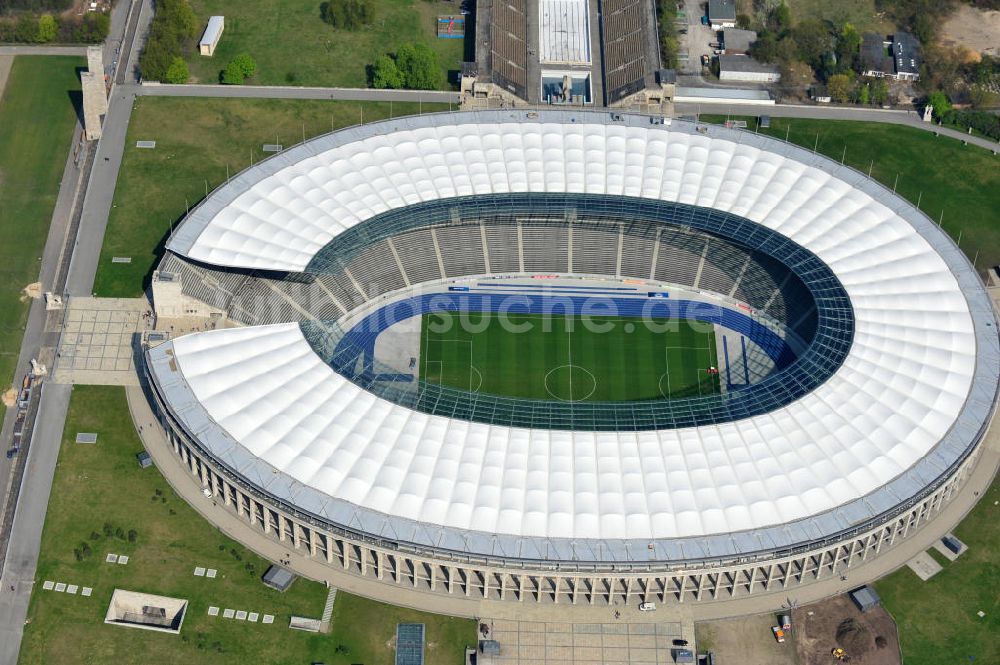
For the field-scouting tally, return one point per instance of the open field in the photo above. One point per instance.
(197, 140)
(100, 487)
(975, 29)
(37, 116)
(745, 640)
(959, 185)
(937, 619)
(568, 358)
(862, 14)
(293, 46)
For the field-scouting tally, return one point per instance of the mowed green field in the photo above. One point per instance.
(293, 46)
(569, 358)
(36, 127)
(198, 141)
(102, 502)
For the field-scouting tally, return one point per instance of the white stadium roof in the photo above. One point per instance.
(894, 416)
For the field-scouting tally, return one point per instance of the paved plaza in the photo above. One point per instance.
(99, 342)
(538, 643)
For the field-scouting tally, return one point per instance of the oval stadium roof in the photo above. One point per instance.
(909, 401)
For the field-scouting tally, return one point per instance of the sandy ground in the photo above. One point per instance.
(975, 29)
(815, 630)
(747, 641)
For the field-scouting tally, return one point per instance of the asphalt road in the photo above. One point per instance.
(285, 92)
(22, 556)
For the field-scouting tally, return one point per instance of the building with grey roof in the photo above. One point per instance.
(722, 14)
(898, 57)
(736, 41)
(745, 68)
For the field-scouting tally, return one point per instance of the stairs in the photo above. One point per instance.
(328, 610)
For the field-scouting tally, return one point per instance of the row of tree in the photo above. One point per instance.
(413, 66)
(171, 34)
(670, 45)
(92, 28)
(35, 5)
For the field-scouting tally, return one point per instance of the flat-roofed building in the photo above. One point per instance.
(745, 68)
(722, 14)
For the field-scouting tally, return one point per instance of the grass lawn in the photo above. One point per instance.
(196, 138)
(962, 182)
(36, 126)
(937, 619)
(293, 46)
(862, 14)
(541, 356)
(98, 485)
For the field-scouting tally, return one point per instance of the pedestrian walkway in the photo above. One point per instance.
(549, 643)
(331, 597)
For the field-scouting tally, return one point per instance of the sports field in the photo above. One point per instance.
(569, 358)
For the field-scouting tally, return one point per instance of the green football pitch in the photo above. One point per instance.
(568, 358)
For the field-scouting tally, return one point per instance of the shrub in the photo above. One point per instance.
(94, 535)
(239, 69)
(85, 548)
(47, 28)
(108, 529)
(77, 554)
(347, 14)
(120, 533)
(133, 535)
(177, 72)
(385, 73)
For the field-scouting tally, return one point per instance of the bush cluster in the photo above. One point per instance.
(92, 28)
(171, 34)
(347, 14)
(238, 70)
(414, 66)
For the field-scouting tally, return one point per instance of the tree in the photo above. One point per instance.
(781, 18)
(813, 41)
(177, 72)
(839, 86)
(939, 102)
(26, 29)
(848, 47)
(47, 28)
(864, 95)
(419, 65)
(385, 73)
(880, 91)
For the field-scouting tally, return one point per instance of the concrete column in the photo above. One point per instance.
(503, 585)
(296, 539)
(701, 586)
(753, 578)
(576, 589)
(680, 589)
(346, 551)
(468, 574)
(520, 588)
(593, 589)
(556, 584)
(329, 548)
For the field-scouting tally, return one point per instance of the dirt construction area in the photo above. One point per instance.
(746, 640)
(868, 639)
(976, 29)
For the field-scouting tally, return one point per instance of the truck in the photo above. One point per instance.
(779, 634)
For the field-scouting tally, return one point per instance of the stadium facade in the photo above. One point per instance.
(881, 338)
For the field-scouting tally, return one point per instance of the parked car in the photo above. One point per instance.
(647, 607)
(704, 20)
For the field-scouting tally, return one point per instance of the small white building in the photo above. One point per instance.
(745, 68)
(213, 33)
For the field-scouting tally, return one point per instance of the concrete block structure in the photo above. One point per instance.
(213, 33)
(95, 95)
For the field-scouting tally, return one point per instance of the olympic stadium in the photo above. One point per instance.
(794, 369)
